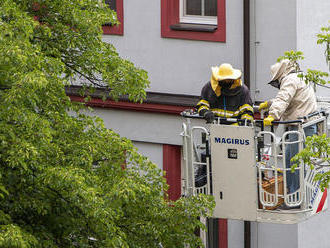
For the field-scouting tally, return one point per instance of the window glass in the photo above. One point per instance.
(201, 7)
(112, 4)
(193, 7)
(210, 7)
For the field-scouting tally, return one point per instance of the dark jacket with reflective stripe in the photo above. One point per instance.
(232, 103)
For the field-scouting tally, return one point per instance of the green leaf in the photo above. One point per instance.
(66, 180)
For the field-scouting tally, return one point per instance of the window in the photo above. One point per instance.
(116, 5)
(194, 19)
(198, 11)
(112, 4)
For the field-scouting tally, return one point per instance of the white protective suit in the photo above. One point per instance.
(294, 99)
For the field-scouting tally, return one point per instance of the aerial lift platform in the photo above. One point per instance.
(244, 168)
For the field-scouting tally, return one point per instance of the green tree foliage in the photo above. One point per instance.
(293, 56)
(316, 152)
(314, 76)
(62, 181)
(324, 38)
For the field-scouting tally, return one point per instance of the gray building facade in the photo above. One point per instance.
(181, 66)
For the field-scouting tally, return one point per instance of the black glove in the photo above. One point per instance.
(209, 116)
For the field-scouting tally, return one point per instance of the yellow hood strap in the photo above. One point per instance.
(215, 86)
(217, 89)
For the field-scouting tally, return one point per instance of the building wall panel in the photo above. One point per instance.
(175, 65)
(311, 16)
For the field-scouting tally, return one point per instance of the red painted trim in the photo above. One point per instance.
(172, 167)
(145, 107)
(170, 16)
(118, 29)
(324, 197)
(223, 233)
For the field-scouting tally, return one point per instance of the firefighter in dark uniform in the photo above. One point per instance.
(225, 96)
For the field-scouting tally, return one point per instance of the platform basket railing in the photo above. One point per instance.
(296, 198)
(192, 160)
(268, 199)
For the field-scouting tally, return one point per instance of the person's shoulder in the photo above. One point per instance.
(291, 77)
(207, 85)
(291, 80)
(244, 88)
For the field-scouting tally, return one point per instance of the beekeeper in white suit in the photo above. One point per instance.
(294, 99)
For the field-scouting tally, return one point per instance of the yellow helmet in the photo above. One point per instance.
(225, 71)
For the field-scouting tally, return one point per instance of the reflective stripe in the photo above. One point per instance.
(202, 107)
(247, 116)
(227, 113)
(203, 102)
(245, 107)
(222, 113)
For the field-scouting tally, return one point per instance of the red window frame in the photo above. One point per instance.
(117, 29)
(172, 167)
(170, 16)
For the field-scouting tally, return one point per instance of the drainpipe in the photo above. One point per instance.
(246, 41)
(246, 63)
